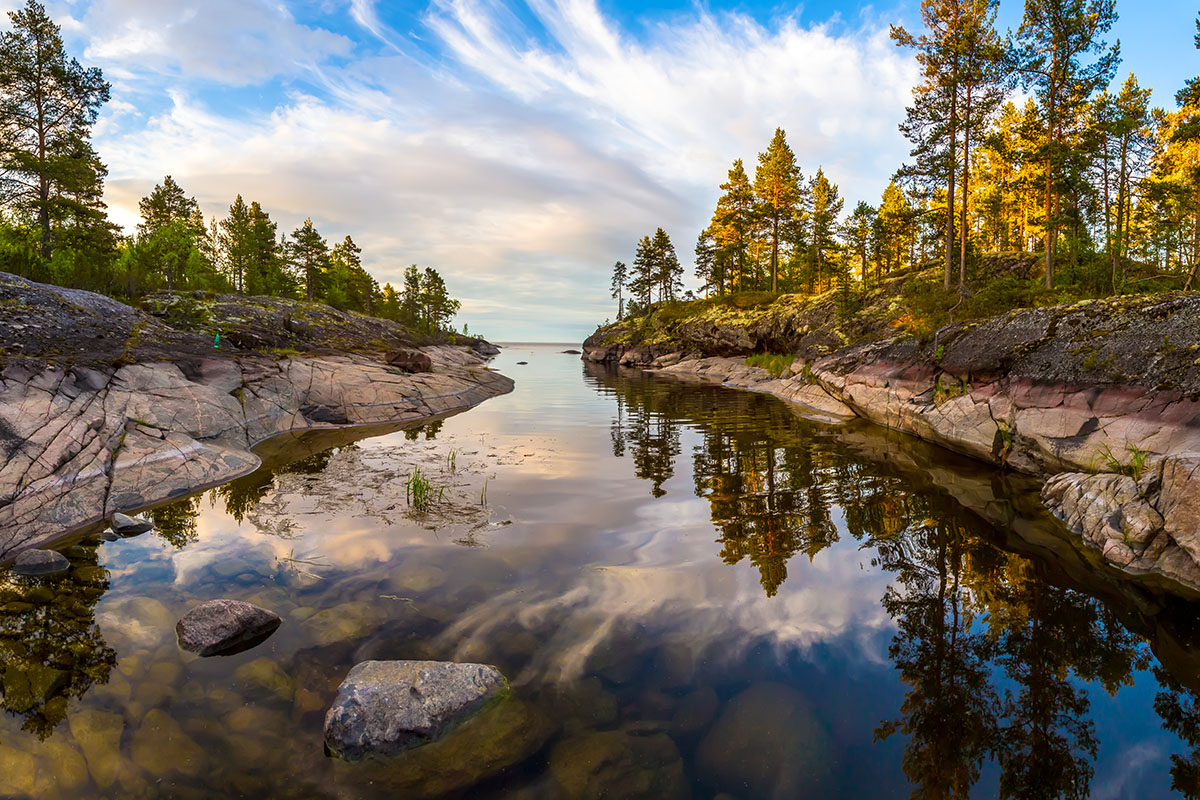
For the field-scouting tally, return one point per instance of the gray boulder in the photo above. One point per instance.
(225, 627)
(40, 562)
(130, 526)
(387, 707)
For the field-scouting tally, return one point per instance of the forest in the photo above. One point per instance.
(1033, 178)
(54, 225)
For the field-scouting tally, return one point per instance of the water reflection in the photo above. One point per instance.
(699, 593)
(51, 649)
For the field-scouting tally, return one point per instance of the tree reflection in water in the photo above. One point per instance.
(995, 653)
(51, 649)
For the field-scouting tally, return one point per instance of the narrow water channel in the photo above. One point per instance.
(694, 592)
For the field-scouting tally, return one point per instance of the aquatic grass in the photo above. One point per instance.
(775, 363)
(421, 493)
(452, 461)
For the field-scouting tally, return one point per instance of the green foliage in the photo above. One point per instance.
(775, 363)
(1135, 464)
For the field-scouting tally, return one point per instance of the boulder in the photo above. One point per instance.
(387, 707)
(767, 743)
(41, 562)
(618, 764)
(498, 739)
(572, 352)
(125, 525)
(225, 627)
(410, 360)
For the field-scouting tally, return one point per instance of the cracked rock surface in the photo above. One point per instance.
(104, 408)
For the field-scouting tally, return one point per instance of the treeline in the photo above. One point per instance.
(1103, 188)
(54, 225)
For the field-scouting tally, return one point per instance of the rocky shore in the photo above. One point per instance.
(1103, 395)
(105, 408)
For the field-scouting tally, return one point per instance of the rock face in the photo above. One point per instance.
(104, 408)
(225, 627)
(1147, 525)
(41, 562)
(386, 707)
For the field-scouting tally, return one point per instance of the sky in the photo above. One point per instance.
(518, 146)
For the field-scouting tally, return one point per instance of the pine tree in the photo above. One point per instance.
(827, 206)
(237, 245)
(733, 224)
(858, 235)
(309, 256)
(708, 270)
(48, 104)
(167, 204)
(1054, 38)
(932, 121)
(620, 279)
(776, 187)
(266, 269)
(668, 274)
(410, 297)
(645, 273)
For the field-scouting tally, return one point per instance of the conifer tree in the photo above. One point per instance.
(309, 256)
(776, 187)
(620, 279)
(645, 272)
(1054, 38)
(48, 104)
(733, 223)
(708, 271)
(858, 235)
(827, 206)
(668, 274)
(236, 243)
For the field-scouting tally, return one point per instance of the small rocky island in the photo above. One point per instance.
(105, 407)
(1103, 395)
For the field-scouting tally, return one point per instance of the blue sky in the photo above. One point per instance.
(519, 146)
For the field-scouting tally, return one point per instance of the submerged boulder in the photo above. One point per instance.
(619, 764)
(767, 743)
(497, 739)
(41, 562)
(125, 525)
(387, 707)
(225, 627)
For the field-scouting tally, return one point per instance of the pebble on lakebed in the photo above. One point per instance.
(386, 707)
(225, 627)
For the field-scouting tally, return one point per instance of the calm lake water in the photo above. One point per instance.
(694, 592)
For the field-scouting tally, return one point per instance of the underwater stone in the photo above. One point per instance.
(617, 764)
(224, 627)
(99, 736)
(41, 562)
(386, 707)
(767, 743)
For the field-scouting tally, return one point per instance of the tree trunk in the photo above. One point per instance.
(949, 265)
(775, 254)
(966, 190)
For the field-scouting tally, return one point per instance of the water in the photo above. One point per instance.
(692, 591)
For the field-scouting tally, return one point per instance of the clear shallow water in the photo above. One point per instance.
(692, 590)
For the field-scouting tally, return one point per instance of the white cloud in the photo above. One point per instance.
(521, 163)
(236, 42)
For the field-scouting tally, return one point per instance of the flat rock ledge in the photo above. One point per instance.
(386, 707)
(225, 627)
(83, 443)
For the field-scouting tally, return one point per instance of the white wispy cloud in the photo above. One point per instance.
(520, 162)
